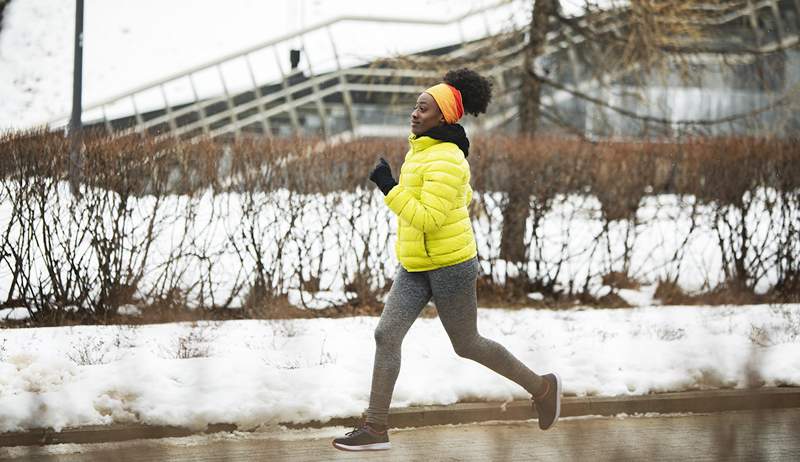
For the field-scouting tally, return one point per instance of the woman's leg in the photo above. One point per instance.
(454, 294)
(409, 294)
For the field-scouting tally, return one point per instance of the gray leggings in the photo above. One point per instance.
(453, 292)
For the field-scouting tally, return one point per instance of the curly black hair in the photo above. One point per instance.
(476, 90)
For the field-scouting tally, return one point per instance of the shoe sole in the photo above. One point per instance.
(364, 447)
(558, 399)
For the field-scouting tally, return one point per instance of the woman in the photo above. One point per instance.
(438, 256)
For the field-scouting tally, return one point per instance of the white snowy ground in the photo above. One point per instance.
(130, 43)
(259, 373)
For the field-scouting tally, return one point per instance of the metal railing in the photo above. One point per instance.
(287, 96)
(266, 105)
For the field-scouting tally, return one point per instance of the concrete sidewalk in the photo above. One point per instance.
(745, 436)
(695, 402)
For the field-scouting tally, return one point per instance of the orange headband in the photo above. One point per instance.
(449, 100)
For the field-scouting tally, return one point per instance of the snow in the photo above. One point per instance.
(14, 314)
(643, 296)
(129, 310)
(257, 374)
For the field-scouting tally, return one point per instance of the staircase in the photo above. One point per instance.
(323, 95)
(330, 96)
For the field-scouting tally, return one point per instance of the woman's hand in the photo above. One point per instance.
(382, 176)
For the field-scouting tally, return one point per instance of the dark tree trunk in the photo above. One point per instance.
(3, 4)
(515, 213)
(532, 88)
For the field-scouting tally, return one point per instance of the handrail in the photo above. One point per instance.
(289, 36)
(304, 85)
(558, 40)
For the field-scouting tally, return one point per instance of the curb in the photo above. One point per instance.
(459, 413)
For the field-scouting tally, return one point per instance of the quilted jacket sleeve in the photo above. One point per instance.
(440, 186)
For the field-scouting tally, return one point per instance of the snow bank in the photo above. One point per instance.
(254, 373)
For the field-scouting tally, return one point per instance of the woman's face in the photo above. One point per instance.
(426, 114)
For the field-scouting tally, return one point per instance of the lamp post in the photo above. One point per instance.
(75, 124)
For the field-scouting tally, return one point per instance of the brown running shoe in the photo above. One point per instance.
(548, 404)
(363, 438)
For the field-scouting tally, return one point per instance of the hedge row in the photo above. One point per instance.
(257, 223)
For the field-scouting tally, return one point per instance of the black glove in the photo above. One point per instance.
(382, 176)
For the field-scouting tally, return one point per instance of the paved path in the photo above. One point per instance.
(736, 435)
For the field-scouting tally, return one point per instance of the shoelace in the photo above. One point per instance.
(362, 427)
(355, 430)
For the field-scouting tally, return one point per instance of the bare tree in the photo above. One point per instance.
(631, 46)
(541, 19)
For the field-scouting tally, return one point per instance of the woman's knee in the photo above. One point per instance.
(469, 348)
(383, 336)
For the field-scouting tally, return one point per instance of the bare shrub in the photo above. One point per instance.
(239, 225)
(325, 356)
(670, 293)
(89, 351)
(195, 343)
(786, 330)
(619, 280)
(125, 336)
(666, 334)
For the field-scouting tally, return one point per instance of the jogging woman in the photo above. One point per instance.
(438, 256)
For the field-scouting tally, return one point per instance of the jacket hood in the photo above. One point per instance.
(451, 133)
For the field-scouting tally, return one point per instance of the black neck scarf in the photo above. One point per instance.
(451, 133)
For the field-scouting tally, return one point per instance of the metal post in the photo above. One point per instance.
(259, 96)
(106, 122)
(229, 98)
(776, 13)
(797, 12)
(201, 113)
(323, 117)
(285, 82)
(139, 128)
(75, 124)
(346, 96)
(753, 13)
(173, 126)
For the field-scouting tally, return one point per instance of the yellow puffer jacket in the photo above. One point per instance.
(430, 201)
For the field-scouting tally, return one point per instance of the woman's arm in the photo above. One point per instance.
(440, 186)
